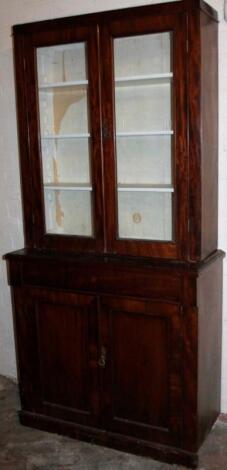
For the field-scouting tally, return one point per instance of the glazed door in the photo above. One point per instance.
(140, 357)
(58, 356)
(144, 122)
(63, 126)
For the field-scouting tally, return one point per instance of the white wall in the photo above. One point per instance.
(22, 11)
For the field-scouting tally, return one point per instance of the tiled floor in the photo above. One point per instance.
(22, 448)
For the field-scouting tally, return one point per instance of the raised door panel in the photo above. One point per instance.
(57, 338)
(145, 134)
(142, 342)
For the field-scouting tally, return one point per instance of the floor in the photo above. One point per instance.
(23, 448)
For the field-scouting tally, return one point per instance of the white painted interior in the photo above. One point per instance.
(11, 230)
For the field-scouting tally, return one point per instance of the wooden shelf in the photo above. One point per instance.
(141, 80)
(76, 83)
(68, 186)
(151, 188)
(65, 136)
(144, 133)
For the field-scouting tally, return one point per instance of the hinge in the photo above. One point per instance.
(187, 45)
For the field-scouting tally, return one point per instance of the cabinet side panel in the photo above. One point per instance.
(22, 126)
(194, 143)
(209, 133)
(209, 299)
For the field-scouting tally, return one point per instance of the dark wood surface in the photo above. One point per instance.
(118, 342)
(194, 128)
(58, 354)
(103, 16)
(144, 339)
(22, 126)
(209, 134)
(203, 133)
(209, 301)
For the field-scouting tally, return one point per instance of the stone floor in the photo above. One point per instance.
(22, 448)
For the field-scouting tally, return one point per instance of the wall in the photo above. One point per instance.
(22, 11)
(223, 189)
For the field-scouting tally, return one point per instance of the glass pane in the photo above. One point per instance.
(63, 63)
(154, 165)
(65, 138)
(145, 215)
(63, 110)
(66, 159)
(68, 211)
(144, 130)
(143, 108)
(142, 55)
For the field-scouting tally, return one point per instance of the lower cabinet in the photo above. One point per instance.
(126, 355)
(106, 362)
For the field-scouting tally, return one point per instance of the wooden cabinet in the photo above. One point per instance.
(120, 278)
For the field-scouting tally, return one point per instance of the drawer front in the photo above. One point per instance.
(100, 278)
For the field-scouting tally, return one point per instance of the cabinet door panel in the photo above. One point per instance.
(59, 361)
(61, 88)
(145, 138)
(142, 373)
(63, 355)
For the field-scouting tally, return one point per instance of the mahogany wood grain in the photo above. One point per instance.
(209, 301)
(56, 380)
(194, 149)
(209, 134)
(22, 125)
(203, 135)
(144, 339)
(94, 275)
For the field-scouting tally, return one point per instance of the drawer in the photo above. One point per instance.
(94, 276)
